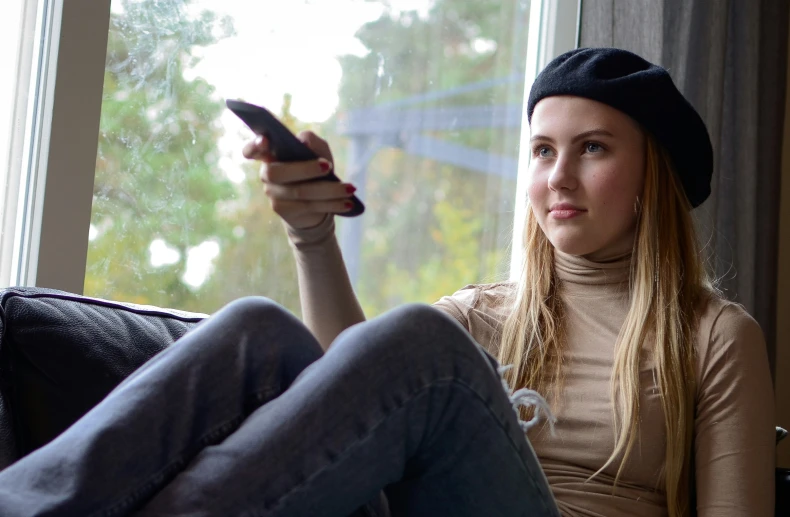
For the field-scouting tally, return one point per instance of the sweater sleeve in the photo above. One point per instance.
(734, 428)
(458, 305)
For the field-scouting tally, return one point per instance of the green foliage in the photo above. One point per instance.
(157, 170)
(456, 261)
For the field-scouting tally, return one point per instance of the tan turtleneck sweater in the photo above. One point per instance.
(734, 435)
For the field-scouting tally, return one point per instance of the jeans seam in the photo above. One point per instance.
(397, 408)
(134, 496)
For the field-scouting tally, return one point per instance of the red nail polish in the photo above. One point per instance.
(349, 205)
(351, 189)
(325, 165)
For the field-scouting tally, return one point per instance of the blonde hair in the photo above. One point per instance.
(668, 282)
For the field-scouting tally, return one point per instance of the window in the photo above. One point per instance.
(18, 41)
(421, 101)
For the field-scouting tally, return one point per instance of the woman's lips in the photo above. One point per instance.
(565, 211)
(565, 214)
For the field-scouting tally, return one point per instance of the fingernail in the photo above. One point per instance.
(349, 205)
(324, 164)
(351, 189)
(259, 140)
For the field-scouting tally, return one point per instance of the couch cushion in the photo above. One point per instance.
(61, 353)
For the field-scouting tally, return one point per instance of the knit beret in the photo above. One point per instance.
(647, 94)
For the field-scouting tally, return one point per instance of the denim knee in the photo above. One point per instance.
(256, 329)
(424, 333)
(251, 309)
(419, 316)
(418, 331)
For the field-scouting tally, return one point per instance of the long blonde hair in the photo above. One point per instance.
(668, 282)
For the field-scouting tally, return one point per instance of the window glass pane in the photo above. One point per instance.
(421, 101)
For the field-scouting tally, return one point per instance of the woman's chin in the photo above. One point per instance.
(595, 251)
(572, 246)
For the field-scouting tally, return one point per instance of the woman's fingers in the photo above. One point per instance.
(317, 191)
(292, 211)
(300, 202)
(280, 173)
(257, 149)
(317, 144)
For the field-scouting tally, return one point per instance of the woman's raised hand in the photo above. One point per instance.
(301, 203)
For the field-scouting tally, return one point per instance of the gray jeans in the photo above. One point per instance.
(245, 416)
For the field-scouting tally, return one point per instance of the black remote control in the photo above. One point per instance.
(284, 144)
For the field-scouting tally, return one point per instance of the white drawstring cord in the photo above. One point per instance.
(527, 398)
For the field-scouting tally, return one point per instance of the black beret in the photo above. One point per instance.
(647, 94)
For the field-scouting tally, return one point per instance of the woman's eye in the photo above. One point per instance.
(592, 147)
(542, 152)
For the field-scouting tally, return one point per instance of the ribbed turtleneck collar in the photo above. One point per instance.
(582, 276)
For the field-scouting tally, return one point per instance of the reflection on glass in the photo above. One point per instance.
(420, 100)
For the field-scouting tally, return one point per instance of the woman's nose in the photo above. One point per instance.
(564, 175)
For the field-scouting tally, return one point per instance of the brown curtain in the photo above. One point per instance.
(729, 58)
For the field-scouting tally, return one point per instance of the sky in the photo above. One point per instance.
(284, 47)
(288, 48)
(280, 47)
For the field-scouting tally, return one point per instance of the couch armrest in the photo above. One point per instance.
(61, 353)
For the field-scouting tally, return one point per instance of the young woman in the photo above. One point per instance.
(660, 389)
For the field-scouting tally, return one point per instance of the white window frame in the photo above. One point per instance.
(51, 219)
(57, 161)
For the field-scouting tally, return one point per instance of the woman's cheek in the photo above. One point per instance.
(610, 189)
(533, 193)
(538, 186)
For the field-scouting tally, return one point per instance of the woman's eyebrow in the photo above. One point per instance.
(580, 136)
(592, 132)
